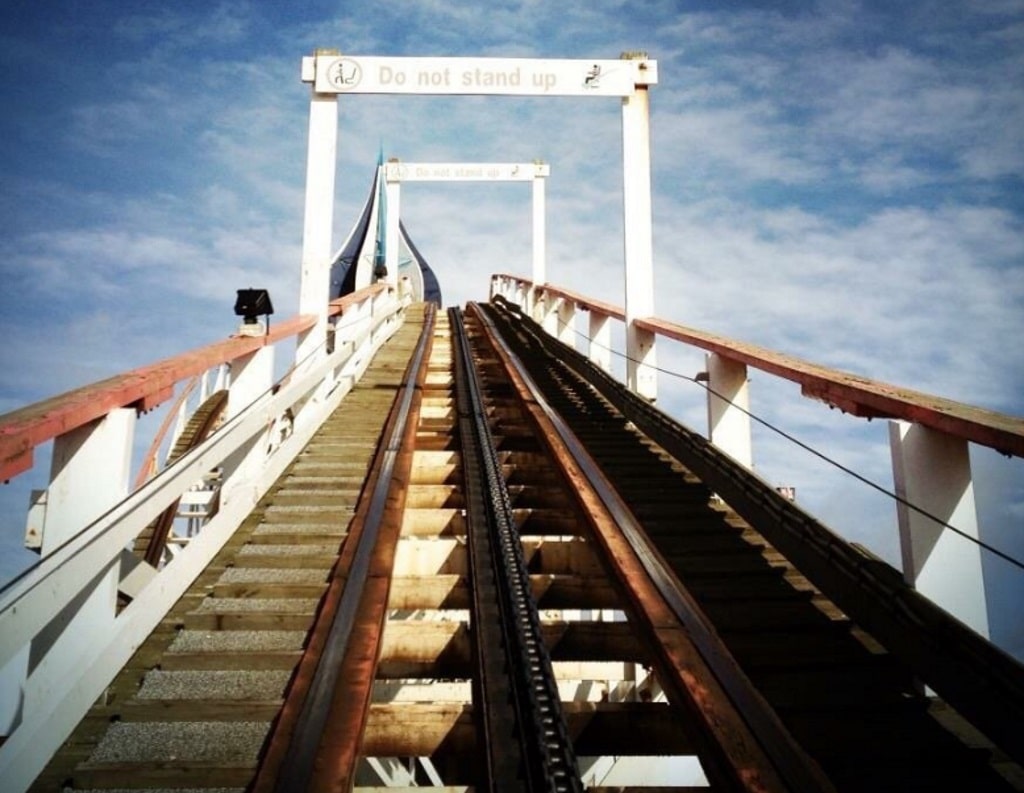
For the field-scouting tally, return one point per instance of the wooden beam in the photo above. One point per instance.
(413, 648)
(552, 591)
(410, 729)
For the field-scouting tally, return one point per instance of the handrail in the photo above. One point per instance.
(862, 396)
(851, 393)
(582, 301)
(341, 304)
(143, 388)
(87, 563)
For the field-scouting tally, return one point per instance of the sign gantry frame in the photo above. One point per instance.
(396, 172)
(628, 78)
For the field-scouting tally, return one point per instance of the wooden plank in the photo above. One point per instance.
(163, 775)
(551, 590)
(190, 710)
(255, 661)
(442, 649)
(597, 728)
(248, 621)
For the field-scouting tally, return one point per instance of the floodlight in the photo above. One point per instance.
(250, 304)
(253, 303)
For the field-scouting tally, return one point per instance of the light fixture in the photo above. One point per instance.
(250, 305)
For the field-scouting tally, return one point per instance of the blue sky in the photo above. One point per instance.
(841, 181)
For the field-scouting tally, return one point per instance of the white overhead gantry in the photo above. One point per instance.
(396, 172)
(628, 78)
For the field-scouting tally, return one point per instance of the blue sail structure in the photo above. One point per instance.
(361, 259)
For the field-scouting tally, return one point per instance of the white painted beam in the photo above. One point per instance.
(321, 162)
(641, 376)
(932, 471)
(729, 408)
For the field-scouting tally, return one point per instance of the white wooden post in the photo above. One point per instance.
(251, 379)
(932, 471)
(393, 208)
(551, 308)
(89, 473)
(539, 228)
(566, 322)
(599, 336)
(527, 298)
(641, 376)
(90, 470)
(729, 408)
(539, 302)
(315, 285)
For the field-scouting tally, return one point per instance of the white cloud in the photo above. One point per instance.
(829, 182)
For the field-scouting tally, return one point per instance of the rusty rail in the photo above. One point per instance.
(746, 747)
(525, 735)
(981, 681)
(315, 743)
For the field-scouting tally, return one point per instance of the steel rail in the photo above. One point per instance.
(797, 770)
(493, 696)
(979, 680)
(309, 707)
(524, 730)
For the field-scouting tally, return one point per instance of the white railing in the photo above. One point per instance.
(929, 435)
(63, 635)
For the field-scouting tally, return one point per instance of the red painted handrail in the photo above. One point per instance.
(341, 304)
(144, 388)
(860, 396)
(582, 301)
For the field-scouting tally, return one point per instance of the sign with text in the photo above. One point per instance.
(464, 172)
(346, 74)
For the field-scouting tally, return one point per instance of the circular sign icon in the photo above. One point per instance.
(344, 74)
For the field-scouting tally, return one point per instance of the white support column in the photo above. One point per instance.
(600, 340)
(251, 378)
(932, 471)
(551, 308)
(89, 473)
(314, 289)
(223, 375)
(729, 408)
(526, 298)
(567, 323)
(393, 207)
(538, 302)
(539, 228)
(641, 376)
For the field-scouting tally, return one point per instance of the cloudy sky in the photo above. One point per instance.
(840, 180)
